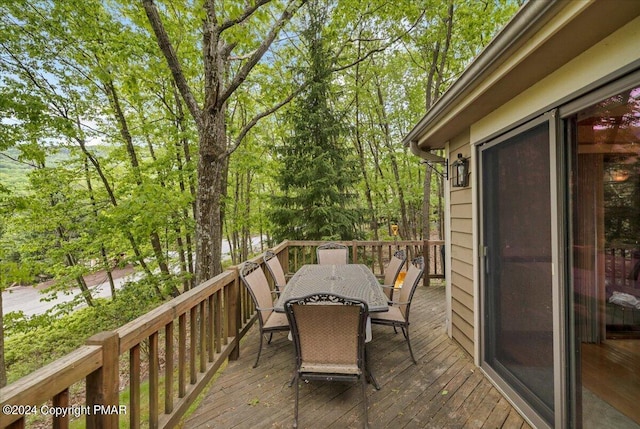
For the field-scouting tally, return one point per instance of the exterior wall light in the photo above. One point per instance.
(460, 172)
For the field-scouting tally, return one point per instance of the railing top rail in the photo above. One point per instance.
(41, 385)
(364, 242)
(136, 330)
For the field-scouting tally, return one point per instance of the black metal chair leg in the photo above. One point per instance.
(259, 351)
(295, 407)
(364, 404)
(369, 377)
(405, 331)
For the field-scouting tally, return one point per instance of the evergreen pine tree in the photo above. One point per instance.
(317, 178)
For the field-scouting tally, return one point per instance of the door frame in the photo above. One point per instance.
(557, 165)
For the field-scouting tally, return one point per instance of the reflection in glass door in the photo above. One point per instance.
(605, 141)
(518, 252)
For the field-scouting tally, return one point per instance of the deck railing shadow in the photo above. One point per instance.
(171, 353)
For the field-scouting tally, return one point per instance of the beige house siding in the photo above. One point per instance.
(461, 239)
(612, 53)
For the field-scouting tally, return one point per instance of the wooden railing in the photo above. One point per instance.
(170, 353)
(622, 268)
(375, 254)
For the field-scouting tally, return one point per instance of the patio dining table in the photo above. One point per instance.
(355, 281)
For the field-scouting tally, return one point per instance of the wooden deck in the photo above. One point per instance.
(445, 389)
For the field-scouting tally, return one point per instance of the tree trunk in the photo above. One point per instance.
(426, 204)
(211, 168)
(373, 222)
(3, 369)
(182, 147)
(384, 124)
(103, 252)
(114, 202)
(210, 118)
(133, 159)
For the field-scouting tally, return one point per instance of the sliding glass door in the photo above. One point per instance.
(519, 246)
(604, 137)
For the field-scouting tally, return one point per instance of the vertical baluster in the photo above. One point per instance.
(210, 329)
(154, 388)
(182, 355)
(61, 400)
(225, 315)
(134, 387)
(193, 340)
(168, 368)
(218, 324)
(203, 336)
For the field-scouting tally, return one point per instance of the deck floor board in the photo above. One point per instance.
(444, 390)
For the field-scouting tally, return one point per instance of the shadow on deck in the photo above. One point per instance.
(445, 389)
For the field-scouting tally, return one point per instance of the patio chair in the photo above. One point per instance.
(391, 272)
(275, 269)
(332, 254)
(269, 321)
(398, 314)
(329, 337)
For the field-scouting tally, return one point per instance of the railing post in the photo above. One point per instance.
(285, 259)
(234, 315)
(426, 278)
(103, 384)
(354, 252)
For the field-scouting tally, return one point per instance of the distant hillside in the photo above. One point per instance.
(13, 175)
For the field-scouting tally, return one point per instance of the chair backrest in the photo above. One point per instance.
(275, 269)
(328, 331)
(393, 269)
(332, 254)
(256, 282)
(414, 273)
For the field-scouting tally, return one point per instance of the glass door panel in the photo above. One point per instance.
(605, 140)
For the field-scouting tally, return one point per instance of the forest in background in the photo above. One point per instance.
(146, 132)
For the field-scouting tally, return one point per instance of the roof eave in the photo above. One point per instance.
(530, 18)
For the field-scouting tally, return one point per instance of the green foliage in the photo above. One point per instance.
(32, 342)
(317, 175)
(85, 182)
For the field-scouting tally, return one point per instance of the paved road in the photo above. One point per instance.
(29, 299)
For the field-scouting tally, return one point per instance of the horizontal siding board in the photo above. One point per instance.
(462, 283)
(462, 267)
(461, 196)
(461, 211)
(462, 297)
(462, 310)
(462, 239)
(458, 333)
(462, 225)
(462, 325)
(464, 254)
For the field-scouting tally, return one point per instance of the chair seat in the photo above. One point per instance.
(325, 368)
(393, 315)
(275, 321)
